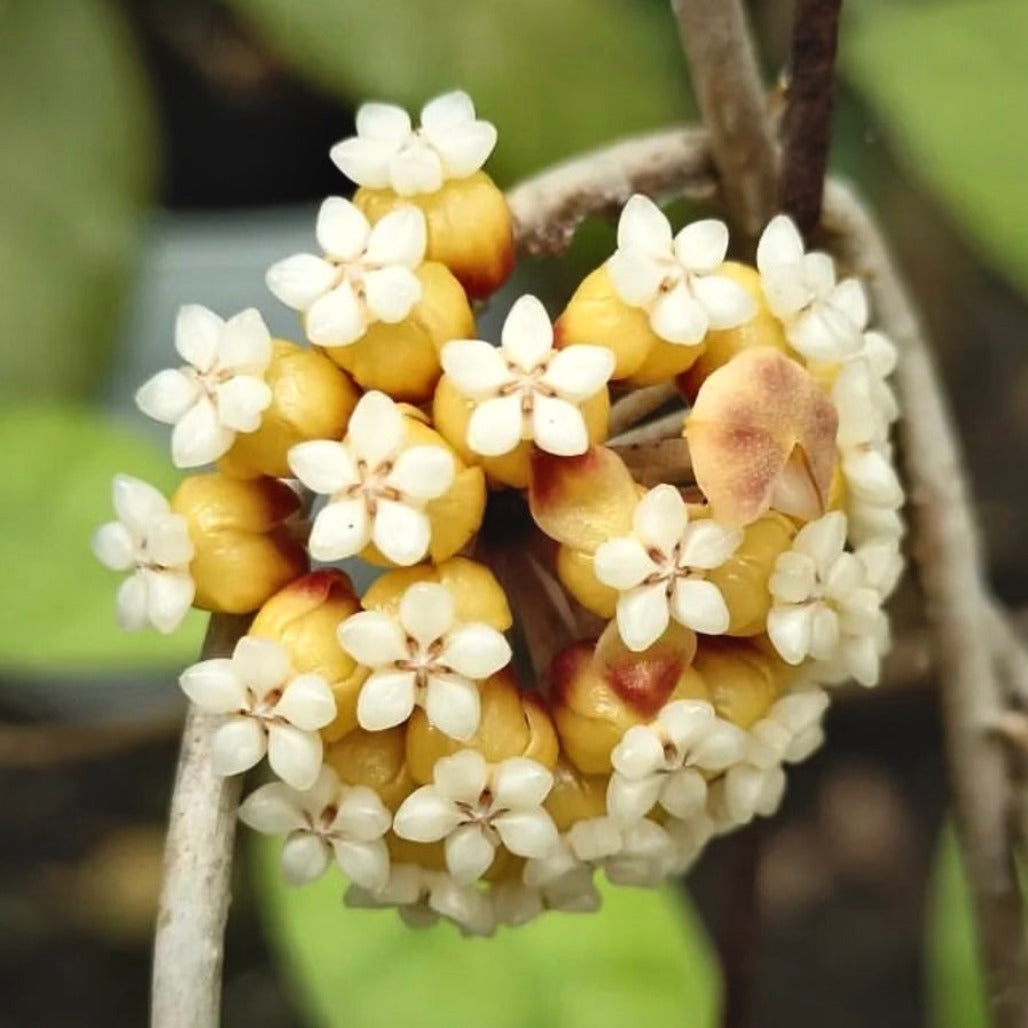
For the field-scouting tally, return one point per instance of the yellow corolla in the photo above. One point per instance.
(575, 796)
(375, 759)
(243, 549)
(742, 676)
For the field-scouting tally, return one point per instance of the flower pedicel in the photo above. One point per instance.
(404, 745)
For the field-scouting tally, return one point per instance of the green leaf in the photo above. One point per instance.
(555, 76)
(643, 960)
(56, 600)
(949, 80)
(75, 167)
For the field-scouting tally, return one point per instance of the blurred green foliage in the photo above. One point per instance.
(643, 960)
(76, 167)
(56, 600)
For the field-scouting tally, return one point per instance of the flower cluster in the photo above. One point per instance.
(733, 586)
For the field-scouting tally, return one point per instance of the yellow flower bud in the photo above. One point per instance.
(310, 399)
(402, 359)
(742, 677)
(575, 570)
(513, 724)
(243, 549)
(375, 759)
(469, 228)
(303, 618)
(574, 796)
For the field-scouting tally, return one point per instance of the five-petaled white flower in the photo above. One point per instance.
(675, 279)
(388, 153)
(526, 389)
(475, 806)
(423, 657)
(668, 760)
(658, 571)
(377, 487)
(823, 605)
(823, 319)
(219, 391)
(265, 708)
(329, 819)
(153, 544)
(366, 275)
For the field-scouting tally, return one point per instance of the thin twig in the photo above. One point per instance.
(639, 404)
(195, 893)
(665, 460)
(667, 426)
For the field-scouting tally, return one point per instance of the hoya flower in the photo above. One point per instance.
(526, 389)
(389, 153)
(474, 807)
(645, 857)
(327, 820)
(659, 570)
(822, 604)
(863, 398)
(153, 545)
(668, 761)
(675, 279)
(377, 487)
(423, 657)
(689, 837)
(823, 319)
(588, 840)
(366, 273)
(219, 391)
(517, 903)
(265, 708)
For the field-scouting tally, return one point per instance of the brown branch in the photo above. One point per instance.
(726, 80)
(639, 404)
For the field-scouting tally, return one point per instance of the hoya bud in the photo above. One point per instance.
(375, 759)
(743, 678)
(575, 796)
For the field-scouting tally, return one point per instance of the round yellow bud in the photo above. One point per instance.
(743, 678)
(243, 549)
(575, 570)
(375, 759)
(469, 228)
(574, 796)
(310, 399)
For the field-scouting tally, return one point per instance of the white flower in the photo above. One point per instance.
(863, 398)
(823, 606)
(153, 544)
(388, 153)
(266, 708)
(526, 389)
(668, 761)
(377, 487)
(329, 819)
(219, 391)
(823, 319)
(423, 656)
(689, 838)
(517, 903)
(586, 842)
(645, 858)
(475, 806)
(883, 564)
(658, 571)
(366, 274)
(676, 280)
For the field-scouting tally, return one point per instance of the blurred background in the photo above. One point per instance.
(156, 152)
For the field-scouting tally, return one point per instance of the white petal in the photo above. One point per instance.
(114, 547)
(364, 161)
(824, 334)
(426, 612)
(372, 638)
(642, 227)
(579, 371)
(742, 790)
(465, 149)
(527, 833)
(520, 782)
(527, 335)
(376, 430)
(636, 277)
(168, 542)
(307, 702)
(726, 302)
(849, 298)
(361, 815)
(628, 799)
(400, 237)
(272, 809)
(701, 246)
(463, 777)
(871, 478)
(167, 396)
(661, 518)
(137, 504)
(215, 686)
(684, 793)
(245, 344)
(294, 755)
(197, 332)
(475, 651)
(416, 169)
(446, 112)
(340, 530)
(401, 533)
(594, 838)
(622, 563)
(780, 243)
(687, 721)
(468, 853)
(387, 122)
(366, 863)
(639, 753)
(723, 745)
(477, 369)
(261, 664)
(785, 289)
(391, 293)
(169, 595)
(516, 904)
(558, 427)
(337, 318)
(422, 472)
(237, 745)
(794, 578)
(386, 700)
(305, 858)
(300, 280)
(425, 816)
(706, 544)
(643, 615)
(496, 426)
(199, 437)
(823, 540)
(790, 630)
(342, 229)
(130, 603)
(241, 401)
(678, 317)
(699, 605)
(323, 465)
(324, 793)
